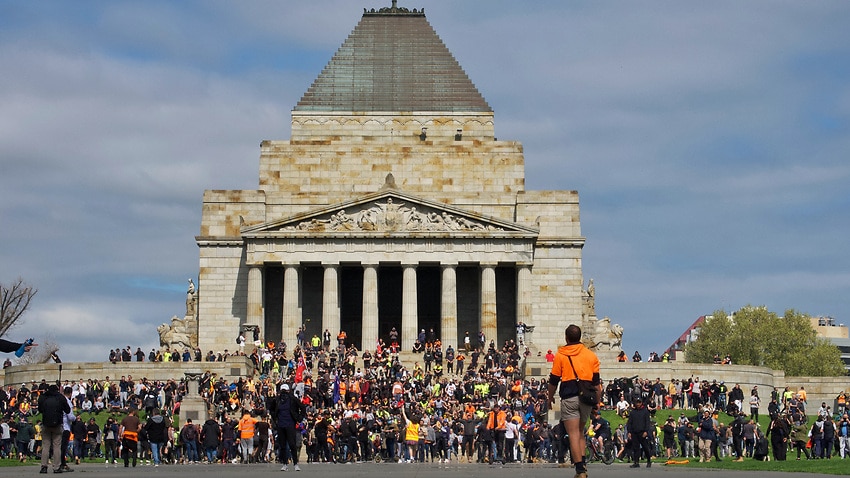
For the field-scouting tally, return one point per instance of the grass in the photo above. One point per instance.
(835, 466)
(99, 418)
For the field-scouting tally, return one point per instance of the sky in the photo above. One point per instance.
(708, 141)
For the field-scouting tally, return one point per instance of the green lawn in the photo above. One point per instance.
(835, 466)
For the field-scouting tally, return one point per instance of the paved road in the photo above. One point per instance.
(390, 470)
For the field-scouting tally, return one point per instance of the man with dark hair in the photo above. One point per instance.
(129, 432)
(573, 363)
(640, 427)
(53, 407)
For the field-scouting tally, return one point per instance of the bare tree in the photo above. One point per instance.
(14, 301)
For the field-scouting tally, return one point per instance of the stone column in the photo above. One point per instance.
(370, 307)
(291, 315)
(448, 306)
(488, 303)
(409, 311)
(330, 302)
(254, 315)
(523, 296)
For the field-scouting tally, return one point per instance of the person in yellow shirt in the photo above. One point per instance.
(246, 436)
(411, 437)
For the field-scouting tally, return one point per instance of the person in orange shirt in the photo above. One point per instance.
(497, 421)
(246, 436)
(572, 363)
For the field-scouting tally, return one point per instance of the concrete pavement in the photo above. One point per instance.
(386, 470)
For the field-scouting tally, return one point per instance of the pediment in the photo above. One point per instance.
(389, 212)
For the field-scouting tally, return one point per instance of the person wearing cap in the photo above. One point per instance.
(289, 412)
(53, 407)
(573, 363)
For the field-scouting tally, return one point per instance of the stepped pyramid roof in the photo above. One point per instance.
(393, 60)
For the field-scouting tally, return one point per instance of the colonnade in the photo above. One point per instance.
(292, 319)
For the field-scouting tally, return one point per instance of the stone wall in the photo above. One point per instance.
(310, 125)
(223, 296)
(232, 369)
(487, 174)
(818, 389)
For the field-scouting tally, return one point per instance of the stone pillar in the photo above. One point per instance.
(330, 302)
(523, 297)
(255, 302)
(409, 311)
(488, 303)
(370, 307)
(291, 315)
(448, 306)
(193, 405)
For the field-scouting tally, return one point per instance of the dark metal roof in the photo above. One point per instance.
(393, 60)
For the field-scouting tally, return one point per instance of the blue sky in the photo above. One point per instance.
(708, 141)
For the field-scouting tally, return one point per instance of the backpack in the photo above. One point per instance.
(189, 433)
(237, 340)
(52, 419)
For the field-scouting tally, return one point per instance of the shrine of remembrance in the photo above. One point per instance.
(392, 205)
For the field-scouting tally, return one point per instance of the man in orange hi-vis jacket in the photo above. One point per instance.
(574, 361)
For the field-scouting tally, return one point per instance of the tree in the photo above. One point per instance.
(14, 301)
(756, 336)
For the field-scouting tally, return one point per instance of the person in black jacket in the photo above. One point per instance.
(289, 413)
(80, 432)
(211, 439)
(737, 433)
(159, 429)
(640, 427)
(53, 406)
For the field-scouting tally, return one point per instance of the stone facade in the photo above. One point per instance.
(368, 218)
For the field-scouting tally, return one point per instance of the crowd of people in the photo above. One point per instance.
(331, 403)
(368, 402)
(725, 424)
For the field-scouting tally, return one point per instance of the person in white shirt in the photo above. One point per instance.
(511, 438)
(622, 406)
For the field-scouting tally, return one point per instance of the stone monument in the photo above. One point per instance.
(182, 333)
(193, 405)
(601, 336)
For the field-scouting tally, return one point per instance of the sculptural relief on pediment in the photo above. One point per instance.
(389, 216)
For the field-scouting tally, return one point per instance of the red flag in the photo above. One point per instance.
(299, 369)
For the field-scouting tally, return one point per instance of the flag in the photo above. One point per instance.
(336, 389)
(299, 369)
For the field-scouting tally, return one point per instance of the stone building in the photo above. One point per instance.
(392, 205)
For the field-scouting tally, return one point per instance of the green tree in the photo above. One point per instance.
(756, 336)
